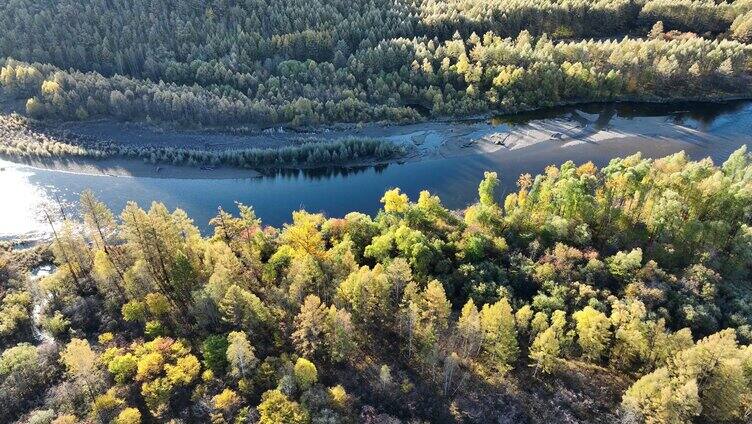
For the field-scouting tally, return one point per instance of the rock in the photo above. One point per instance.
(497, 138)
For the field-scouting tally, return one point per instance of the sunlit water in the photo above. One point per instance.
(40, 303)
(21, 202)
(24, 190)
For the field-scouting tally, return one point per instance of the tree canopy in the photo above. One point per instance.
(218, 62)
(583, 279)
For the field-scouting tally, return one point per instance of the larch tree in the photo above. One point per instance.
(469, 329)
(276, 408)
(311, 328)
(81, 363)
(593, 332)
(499, 335)
(240, 355)
(545, 351)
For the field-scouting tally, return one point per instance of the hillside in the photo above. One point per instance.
(587, 295)
(223, 62)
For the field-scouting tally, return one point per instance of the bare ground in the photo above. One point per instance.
(436, 139)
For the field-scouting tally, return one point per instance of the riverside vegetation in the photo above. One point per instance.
(21, 141)
(586, 295)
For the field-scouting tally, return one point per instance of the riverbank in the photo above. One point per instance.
(565, 126)
(449, 160)
(165, 149)
(146, 133)
(38, 143)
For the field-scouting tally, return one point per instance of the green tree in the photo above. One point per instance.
(214, 352)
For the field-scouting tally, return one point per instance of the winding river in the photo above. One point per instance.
(599, 132)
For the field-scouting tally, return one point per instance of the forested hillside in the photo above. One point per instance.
(585, 295)
(225, 62)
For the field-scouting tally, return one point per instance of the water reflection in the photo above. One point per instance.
(324, 172)
(701, 112)
(336, 191)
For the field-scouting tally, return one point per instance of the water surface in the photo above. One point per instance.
(721, 128)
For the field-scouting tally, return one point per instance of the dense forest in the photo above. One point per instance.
(228, 62)
(585, 294)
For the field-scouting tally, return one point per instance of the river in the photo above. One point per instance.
(702, 130)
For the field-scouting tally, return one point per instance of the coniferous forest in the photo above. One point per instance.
(229, 62)
(585, 295)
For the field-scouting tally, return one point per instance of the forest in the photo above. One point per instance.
(303, 63)
(583, 294)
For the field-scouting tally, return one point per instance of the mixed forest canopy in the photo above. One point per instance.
(619, 294)
(227, 62)
(585, 294)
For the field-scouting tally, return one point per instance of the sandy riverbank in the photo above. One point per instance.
(422, 141)
(448, 158)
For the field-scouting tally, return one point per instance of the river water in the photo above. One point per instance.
(712, 130)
